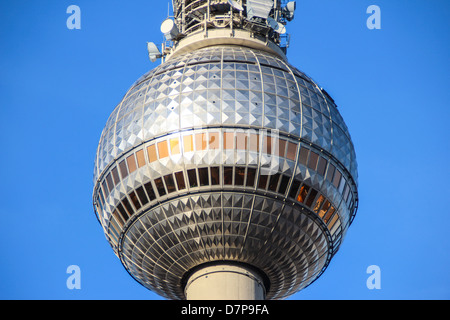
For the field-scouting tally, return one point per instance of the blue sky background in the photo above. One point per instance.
(58, 87)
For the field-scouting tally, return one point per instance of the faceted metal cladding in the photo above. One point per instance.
(225, 154)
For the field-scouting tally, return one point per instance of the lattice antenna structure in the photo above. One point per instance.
(199, 23)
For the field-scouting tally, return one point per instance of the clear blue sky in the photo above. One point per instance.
(58, 87)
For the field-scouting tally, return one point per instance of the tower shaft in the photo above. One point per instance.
(224, 281)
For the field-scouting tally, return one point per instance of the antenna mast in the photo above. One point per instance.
(258, 24)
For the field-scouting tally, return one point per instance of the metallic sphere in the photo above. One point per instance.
(225, 153)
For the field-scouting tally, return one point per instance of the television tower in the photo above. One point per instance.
(225, 172)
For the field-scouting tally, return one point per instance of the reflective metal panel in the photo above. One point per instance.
(225, 153)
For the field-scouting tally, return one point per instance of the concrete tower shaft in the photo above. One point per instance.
(225, 281)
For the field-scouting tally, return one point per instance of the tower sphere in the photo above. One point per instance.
(225, 154)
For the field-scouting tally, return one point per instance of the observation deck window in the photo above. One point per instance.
(251, 174)
(192, 175)
(150, 192)
(170, 183)
(160, 187)
(215, 175)
(141, 194)
(203, 176)
(180, 180)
